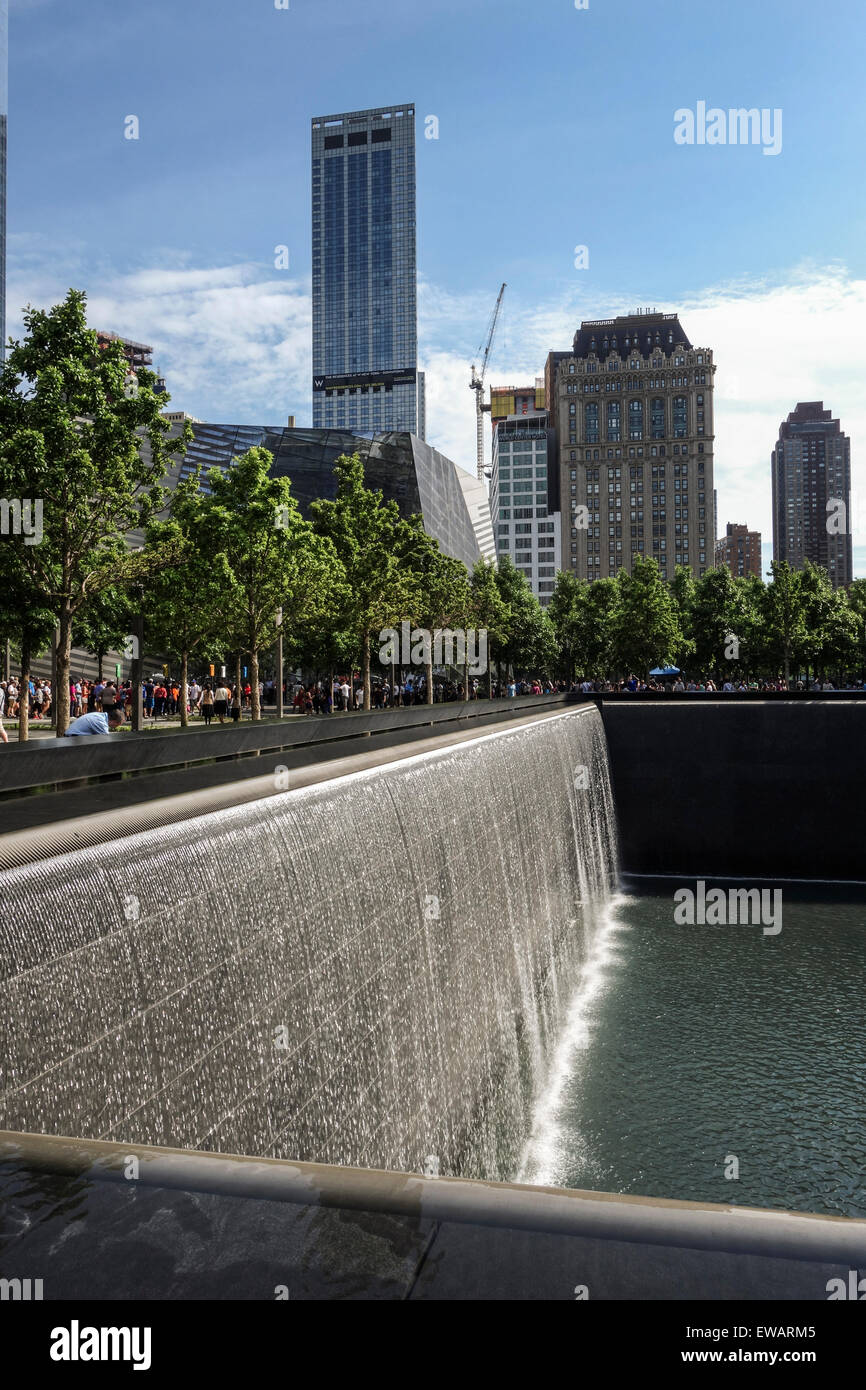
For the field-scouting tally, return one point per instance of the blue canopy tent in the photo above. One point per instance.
(665, 671)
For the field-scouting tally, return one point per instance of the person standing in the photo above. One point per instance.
(4, 737)
(206, 704)
(221, 702)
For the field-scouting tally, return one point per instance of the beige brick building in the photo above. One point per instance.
(632, 409)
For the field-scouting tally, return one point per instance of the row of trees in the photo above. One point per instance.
(215, 570)
(225, 569)
(717, 625)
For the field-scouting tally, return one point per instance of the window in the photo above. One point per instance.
(614, 410)
(590, 415)
(680, 417)
(635, 419)
(657, 418)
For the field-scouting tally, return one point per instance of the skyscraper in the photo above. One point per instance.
(4, 108)
(365, 333)
(632, 406)
(811, 470)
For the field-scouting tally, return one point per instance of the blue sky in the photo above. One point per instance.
(555, 129)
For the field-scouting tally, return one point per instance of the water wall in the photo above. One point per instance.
(370, 971)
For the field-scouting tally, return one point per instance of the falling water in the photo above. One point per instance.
(371, 971)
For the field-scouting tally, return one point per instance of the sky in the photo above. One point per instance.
(556, 129)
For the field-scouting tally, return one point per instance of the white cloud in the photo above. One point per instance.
(773, 344)
(234, 344)
(232, 341)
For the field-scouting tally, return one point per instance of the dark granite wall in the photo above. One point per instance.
(755, 789)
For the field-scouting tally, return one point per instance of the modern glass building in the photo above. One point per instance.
(365, 334)
(4, 110)
(401, 466)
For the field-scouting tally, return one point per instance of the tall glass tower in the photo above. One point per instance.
(365, 331)
(4, 107)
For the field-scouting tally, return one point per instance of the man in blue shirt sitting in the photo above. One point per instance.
(100, 722)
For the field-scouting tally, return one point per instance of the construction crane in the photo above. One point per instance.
(477, 385)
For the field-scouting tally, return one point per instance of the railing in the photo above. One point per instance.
(56, 761)
(557, 1211)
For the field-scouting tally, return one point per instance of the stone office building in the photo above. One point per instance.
(632, 409)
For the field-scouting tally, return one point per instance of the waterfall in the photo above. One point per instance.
(373, 970)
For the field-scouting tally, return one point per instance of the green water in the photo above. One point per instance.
(694, 1046)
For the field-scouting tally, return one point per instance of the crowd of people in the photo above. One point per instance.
(218, 700)
(346, 694)
(680, 684)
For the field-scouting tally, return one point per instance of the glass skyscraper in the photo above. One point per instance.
(365, 334)
(4, 108)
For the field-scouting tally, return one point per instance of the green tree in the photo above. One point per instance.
(184, 607)
(567, 611)
(363, 528)
(831, 628)
(530, 641)
(857, 609)
(25, 618)
(601, 605)
(749, 625)
(487, 612)
(716, 626)
(102, 625)
(784, 613)
(440, 593)
(82, 439)
(644, 626)
(274, 560)
(682, 592)
(581, 614)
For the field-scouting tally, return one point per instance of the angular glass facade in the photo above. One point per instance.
(401, 466)
(365, 339)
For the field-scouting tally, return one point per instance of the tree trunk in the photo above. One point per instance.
(428, 674)
(465, 678)
(239, 689)
(62, 664)
(24, 690)
(393, 683)
(100, 658)
(787, 663)
(365, 671)
(256, 707)
(184, 689)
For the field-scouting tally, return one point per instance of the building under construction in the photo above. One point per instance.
(524, 485)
